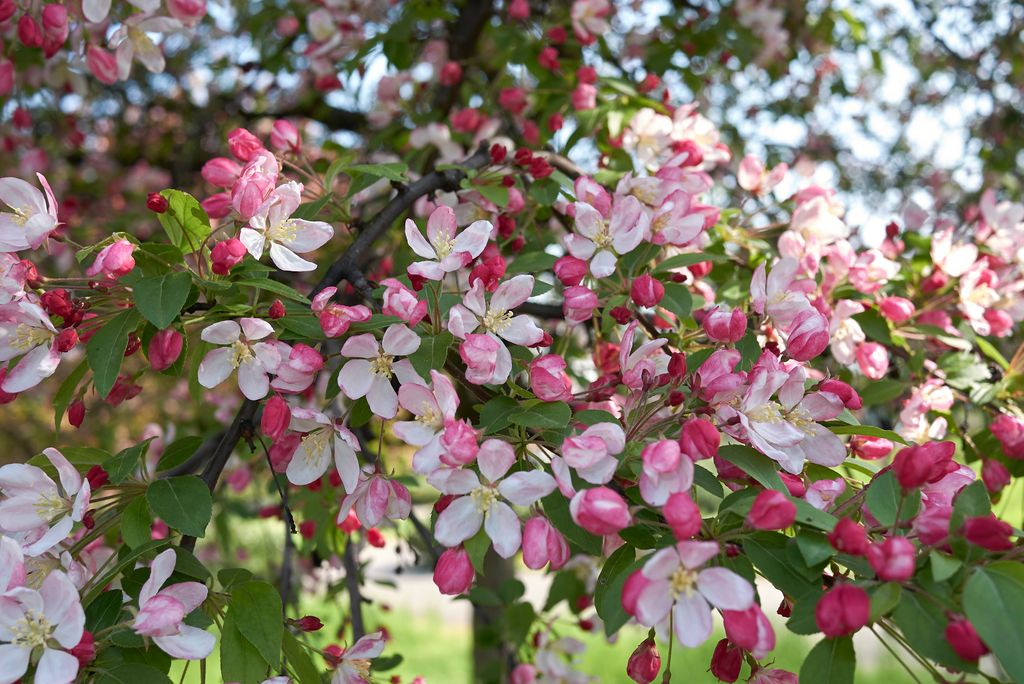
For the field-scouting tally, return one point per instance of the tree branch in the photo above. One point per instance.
(354, 594)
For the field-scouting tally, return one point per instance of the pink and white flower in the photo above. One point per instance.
(37, 507)
(666, 470)
(592, 453)
(32, 215)
(162, 611)
(322, 439)
(372, 366)
(676, 584)
(50, 619)
(26, 331)
(272, 229)
(354, 667)
(601, 241)
(132, 40)
(240, 349)
(445, 249)
(402, 302)
(374, 498)
(335, 319)
(482, 502)
(648, 359)
(432, 407)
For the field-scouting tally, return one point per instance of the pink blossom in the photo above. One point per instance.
(255, 184)
(589, 19)
(322, 442)
(285, 137)
(162, 611)
(458, 443)
(447, 249)
(548, 378)
(165, 348)
(482, 502)
(354, 667)
(454, 572)
(543, 544)
(243, 144)
(299, 367)
(335, 319)
(487, 360)
(808, 335)
(599, 241)
(753, 177)
(432, 406)
(822, 493)
(272, 229)
(240, 349)
(665, 471)
(722, 325)
(592, 454)
(52, 620)
(678, 585)
(374, 498)
(26, 331)
(873, 360)
(893, 560)
(578, 304)
(402, 302)
(372, 365)
(29, 216)
(871, 271)
(647, 361)
(896, 309)
(221, 172)
(113, 261)
(227, 254)
(750, 630)
(698, 439)
(600, 511)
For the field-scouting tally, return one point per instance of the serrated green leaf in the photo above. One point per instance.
(105, 349)
(831, 661)
(257, 608)
(184, 503)
(185, 221)
(160, 298)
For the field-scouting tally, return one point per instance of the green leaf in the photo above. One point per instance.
(432, 353)
(476, 548)
(608, 591)
(831, 661)
(923, 624)
(885, 497)
(125, 463)
(160, 298)
(677, 299)
(257, 608)
(884, 599)
(867, 430)
(749, 350)
(943, 567)
(132, 673)
(185, 221)
(184, 503)
(498, 194)
(557, 509)
(393, 171)
(767, 551)
(814, 547)
(179, 451)
(229, 577)
(270, 285)
(300, 661)
(103, 611)
(881, 391)
(755, 464)
(545, 415)
(66, 392)
(518, 619)
(706, 480)
(240, 661)
(994, 602)
(105, 349)
(532, 263)
(136, 522)
(681, 260)
(971, 502)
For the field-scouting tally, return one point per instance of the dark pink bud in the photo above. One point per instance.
(221, 171)
(309, 623)
(846, 394)
(870, 448)
(699, 439)
(725, 326)
(726, 662)
(682, 515)
(645, 663)
(67, 339)
(849, 537)
(76, 413)
(570, 270)
(29, 33)
(923, 464)
(893, 560)
(896, 309)
(631, 590)
(226, 255)
(1010, 433)
(451, 74)
(165, 348)
(808, 335)
(454, 572)
(646, 291)
(961, 635)
(277, 415)
(988, 532)
(600, 511)
(842, 611)
(243, 144)
(772, 510)
(995, 475)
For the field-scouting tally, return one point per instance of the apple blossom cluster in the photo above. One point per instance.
(633, 388)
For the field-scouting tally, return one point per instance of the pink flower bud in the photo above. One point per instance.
(29, 33)
(750, 630)
(772, 676)
(842, 611)
(66, 340)
(923, 464)
(451, 74)
(646, 291)
(849, 537)
(400, 301)
(227, 254)
(277, 415)
(85, 650)
(584, 97)
(164, 349)
(543, 544)
(896, 309)
(1010, 433)
(102, 64)
(454, 572)
(631, 590)
(578, 304)
(76, 413)
(308, 623)
(570, 270)
(645, 662)
(870, 448)
(221, 171)
(548, 58)
(459, 441)
(519, 10)
(961, 635)
(722, 325)
(988, 532)
(513, 99)
(893, 560)
(846, 394)
(7, 76)
(995, 475)
(794, 485)
(277, 310)
(808, 336)
(55, 28)
(480, 354)
(772, 510)
(600, 511)
(218, 205)
(7, 9)
(682, 515)
(524, 673)
(726, 662)
(548, 378)
(243, 144)
(873, 360)
(113, 261)
(1000, 322)
(188, 12)
(285, 137)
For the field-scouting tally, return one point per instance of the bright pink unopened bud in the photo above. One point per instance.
(923, 464)
(808, 336)
(794, 484)
(772, 510)
(285, 137)
(85, 650)
(543, 544)
(584, 97)
(893, 560)
(646, 291)
(600, 511)
(750, 630)
(988, 532)
(578, 304)
(995, 475)
(165, 348)
(524, 673)
(102, 64)
(519, 10)
(873, 360)
(459, 443)
(221, 172)
(226, 255)
(66, 340)
(1010, 433)
(156, 203)
(309, 623)
(113, 261)
(276, 310)
(570, 270)
(451, 74)
(454, 572)
(842, 611)
(375, 538)
(897, 309)
(726, 661)
(699, 439)
(548, 378)
(870, 448)
(722, 325)
(97, 477)
(29, 32)
(243, 144)
(277, 415)
(846, 394)
(682, 515)
(645, 663)
(849, 537)
(961, 635)
(55, 28)
(76, 414)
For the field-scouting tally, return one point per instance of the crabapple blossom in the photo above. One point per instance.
(132, 41)
(272, 228)
(162, 609)
(28, 216)
(26, 331)
(51, 619)
(374, 498)
(433, 407)
(335, 319)
(445, 248)
(322, 439)
(666, 471)
(372, 365)
(602, 241)
(354, 667)
(240, 348)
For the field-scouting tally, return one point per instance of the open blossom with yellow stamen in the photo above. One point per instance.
(373, 365)
(273, 229)
(26, 331)
(41, 626)
(322, 439)
(240, 350)
(445, 249)
(432, 407)
(27, 216)
(354, 667)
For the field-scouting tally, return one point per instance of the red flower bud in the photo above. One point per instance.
(85, 650)
(846, 394)
(156, 202)
(849, 537)
(646, 291)
(842, 611)
(772, 510)
(893, 560)
(988, 532)
(276, 417)
(307, 528)
(309, 623)
(961, 635)
(682, 515)
(498, 153)
(454, 572)
(134, 343)
(164, 348)
(726, 661)
(226, 255)
(67, 339)
(570, 270)
(645, 663)
(923, 464)
(375, 537)
(699, 439)
(995, 475)
(76, 413)
(97, 477)
(621, 315)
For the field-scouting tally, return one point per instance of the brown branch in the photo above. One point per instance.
(355, 596)
(462, 40)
